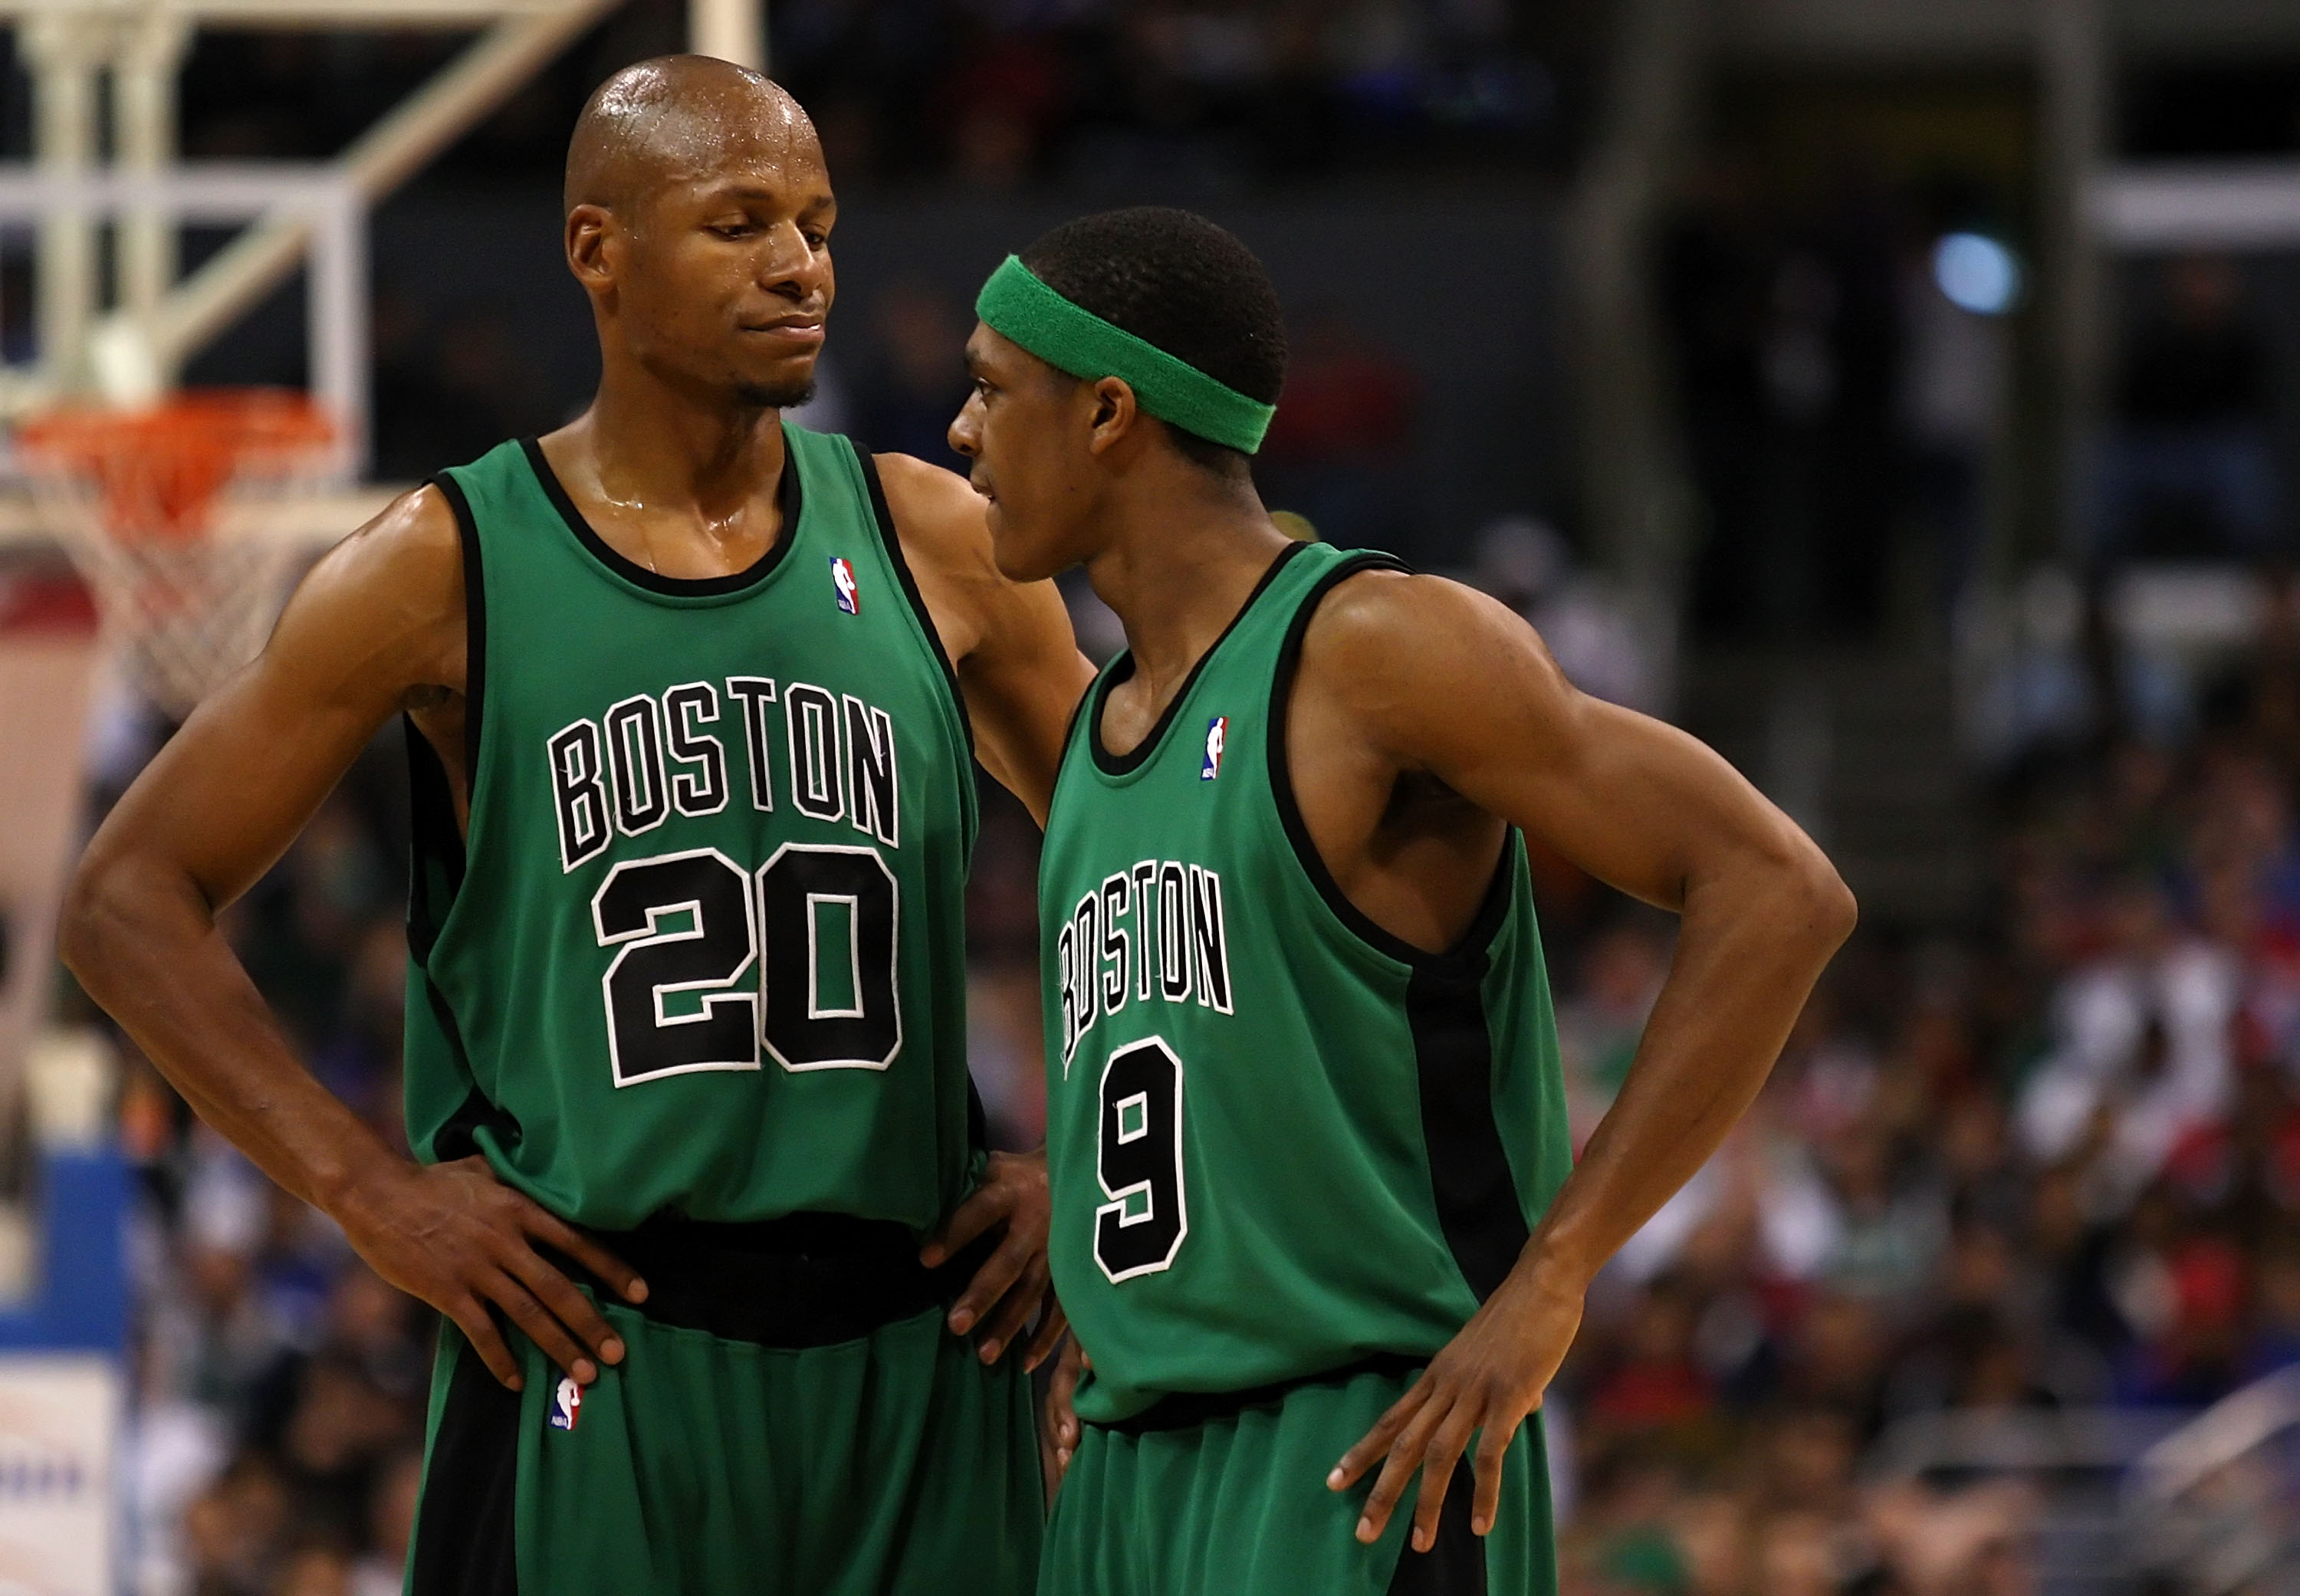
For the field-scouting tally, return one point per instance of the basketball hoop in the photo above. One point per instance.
(160, 509)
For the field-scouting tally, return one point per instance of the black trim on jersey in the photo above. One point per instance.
(437, 859)
(475, 623)
(1071, 732)
(1491, 907)
(1281, 775)
(891, 540)
(455, 1139)
(1070, 735)
(1184, 1409)
(466, 1540)
(1122, 667)
(787, 499)
(1456, 1563)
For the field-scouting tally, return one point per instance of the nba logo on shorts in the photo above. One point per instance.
(1217, 738)
(842, 580)
(566, 1405)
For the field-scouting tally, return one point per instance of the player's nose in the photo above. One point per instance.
(965, 434)
(793, 268)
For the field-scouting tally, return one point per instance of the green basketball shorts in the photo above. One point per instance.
(886, 1462)
(1226, 1496)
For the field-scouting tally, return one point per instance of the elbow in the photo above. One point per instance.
(1824, 908)
(80, 921)
(89, 923)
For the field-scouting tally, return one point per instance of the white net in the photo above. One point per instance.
(184, 522)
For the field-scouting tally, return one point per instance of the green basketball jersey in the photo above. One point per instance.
(701, 951)
(1282, 1139)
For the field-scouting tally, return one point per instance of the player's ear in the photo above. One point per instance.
(1115, 412)
(588, 230)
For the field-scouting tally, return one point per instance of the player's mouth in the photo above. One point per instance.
(981, 484)
(800, 334)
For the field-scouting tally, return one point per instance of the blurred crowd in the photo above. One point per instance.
(2050, 1167)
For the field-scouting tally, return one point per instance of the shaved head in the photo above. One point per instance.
(677, 119)
(698, 219)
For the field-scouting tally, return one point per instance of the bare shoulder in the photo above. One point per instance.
(412, 546)
(1382, 629)
(384, 606)
(1432, 671)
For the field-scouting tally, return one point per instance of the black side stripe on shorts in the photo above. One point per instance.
(1456, 1563)
(465, 1532)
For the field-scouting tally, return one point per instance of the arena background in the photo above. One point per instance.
(1902, 394)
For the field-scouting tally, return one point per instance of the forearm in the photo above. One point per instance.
(1748, 953)
(145, 945)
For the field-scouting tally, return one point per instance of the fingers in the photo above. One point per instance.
(1437, 1473)
(1014, 1311)
(568, 1307)
(1053, 1323)
(990, 1203)
(1377, 1440)
(1063, 1426)
(1493, 1454)
(1401, 1461)
(547, 1227)
(1390, 1484)
(991, 1282)
(479, 1327)
(1065, 1377)
(553, 1338)
(1062, 1419)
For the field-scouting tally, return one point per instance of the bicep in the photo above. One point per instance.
(1636, 803)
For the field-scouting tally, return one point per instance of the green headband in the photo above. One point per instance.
(1073, 340)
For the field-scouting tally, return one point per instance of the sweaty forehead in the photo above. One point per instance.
(683, 120)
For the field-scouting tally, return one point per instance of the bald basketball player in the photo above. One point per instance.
(733, 1292)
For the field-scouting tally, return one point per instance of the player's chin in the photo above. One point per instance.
(1018, 558)
(778, 385)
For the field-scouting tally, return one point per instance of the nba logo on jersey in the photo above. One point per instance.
(1217, 738)
(566, 1405)
(842, 580)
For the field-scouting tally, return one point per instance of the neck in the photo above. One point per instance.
(1183, 559)
(654, 446)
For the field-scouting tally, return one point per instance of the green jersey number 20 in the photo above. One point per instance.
(689, 927)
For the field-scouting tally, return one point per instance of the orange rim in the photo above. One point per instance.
(158, 471)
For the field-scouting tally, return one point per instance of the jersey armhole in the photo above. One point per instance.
(475, 623)
(439, 855)
(1491, 909)
(891, 541)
